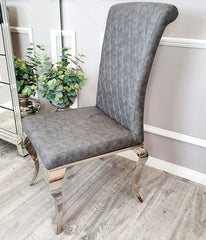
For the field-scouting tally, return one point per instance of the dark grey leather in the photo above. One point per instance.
(132, 35)
(69, 136)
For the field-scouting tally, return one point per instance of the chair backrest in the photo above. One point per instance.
(132, 35)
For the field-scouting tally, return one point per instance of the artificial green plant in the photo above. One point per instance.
(26, 71)
(59, 82)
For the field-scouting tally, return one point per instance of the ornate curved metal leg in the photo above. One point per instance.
(55, 187)
(36, 171)
(143, 156)
(32, 152)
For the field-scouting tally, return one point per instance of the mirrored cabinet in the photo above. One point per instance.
(10, 119)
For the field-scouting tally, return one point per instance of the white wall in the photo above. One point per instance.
(176, 91)
(38, 16)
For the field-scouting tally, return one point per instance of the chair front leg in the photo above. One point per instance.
(55, 187)
(32, 152)
(143, 156)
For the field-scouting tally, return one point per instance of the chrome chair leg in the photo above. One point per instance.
(55, 187)
(143, 156)
(32, 152)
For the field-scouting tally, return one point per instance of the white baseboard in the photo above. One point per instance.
(177, 170)
(172, 168)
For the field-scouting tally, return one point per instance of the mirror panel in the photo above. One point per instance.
(1, 43)
(5, 99)
(3, 70)
(7, 121)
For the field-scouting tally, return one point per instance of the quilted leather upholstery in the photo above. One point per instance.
(132, 35)
(64, 137)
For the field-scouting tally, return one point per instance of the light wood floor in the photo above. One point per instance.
(98, 203)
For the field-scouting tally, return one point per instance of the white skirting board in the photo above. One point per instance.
(172, 168)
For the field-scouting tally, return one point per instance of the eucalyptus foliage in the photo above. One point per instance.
(59, 82)
(26, 71)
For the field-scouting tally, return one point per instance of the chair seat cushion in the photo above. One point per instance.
(65, 137)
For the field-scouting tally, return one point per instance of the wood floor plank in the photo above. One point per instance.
(99, 203)
(163, 212)
(192, 225)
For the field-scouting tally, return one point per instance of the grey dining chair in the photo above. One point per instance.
(62, 139)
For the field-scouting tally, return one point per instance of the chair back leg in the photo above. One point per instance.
(143, 156)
